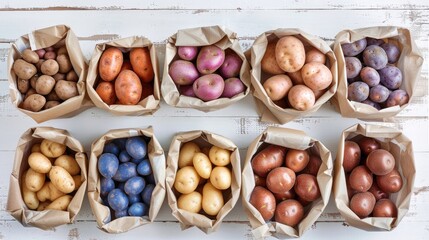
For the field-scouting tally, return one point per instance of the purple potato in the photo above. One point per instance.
(353, 67)
(144, 168)
(209, 87)
(187, 53)
(370, 76)
(209, 59)
(134, 185)
(397, 97)
(108, 165)
(125, 171)
(231, 66)
(136, 147)
(183, 72)
(233, 86)
(374, 41)
(117, 199)
(392, 52)
(379, 93)
(354, 48)
(391, 77)
(371, 103)
(187, 90)
(138, 209)
(358, 91)
(375, 57)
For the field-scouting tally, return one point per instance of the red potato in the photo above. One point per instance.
(187, 53)
(233, 86)
(41, 52)
(269, 158)
(264, 201)
(316, 75)
(314, 55)
(209, 87)
(209, 59)
(301, 97)
(110, 63)
(280, 180)
(187, 90)
(297, 160)
(142, 64)
(128, 88)
(183, 72)
(106, 91)
(277, 87)
(289, 212)
(268, 62)
(231, 65)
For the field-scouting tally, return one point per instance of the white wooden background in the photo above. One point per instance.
(99, 20)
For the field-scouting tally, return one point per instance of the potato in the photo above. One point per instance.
(370, 76)
(35, 148)
(219, 156)
(33, 180)
(45, 84)
(314, 55)
(277, 86)
(220, 178)
(375, 57)
(392, 51)
(68, 163)
(128, 88)
(54, 193)
(51, 104)
(77, 181)
(39, 65)
(264, 201)
(61, 203)
(42, 206)
(72, 76)
(106, 91)
(190, 202)
(50, 55)
(183, 72)
(23, 69)
(64, 63)
(62, 51)
(209, 59)
(110, 64)
(59, 76)
(269, 158)
(290, 54)
(52, 149)
(212, 200)
(358, 91)
(296, 77)
(23, 85)
(316, 75)
(30, 56)
(209, 87)
(187, 180)
(379, 93)
(202, 165)
(49, 67)
(61, 179)
(397, 97)
(30, 198)
(142, 64)
(268, 62)
(39, 163)
(44, 194)
(391, 77)
(301, 97)
(186, 154)
(354, 48)
(65, 89)
(353, 67)
(52, 96)
(34, 102)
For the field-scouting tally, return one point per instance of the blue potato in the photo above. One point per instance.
(391, 77)
(106, 185)
(108, 165)
(111, 148)
(138, 210)
(151, 178)
(147, 193)
(118, 200)
(122, 213)
(120, 142)
(124, 156)
(125, 171)
(137, 161)
(136, 147)
(134, 185)
(144, 168)
(134, 198)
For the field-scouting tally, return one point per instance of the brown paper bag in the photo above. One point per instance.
(147, 105)
(47, 219)
(203, 139)
(401, 148)
(157, 161)
(221, 37)
(269, 111)
(43, 38)
(410, 63)
(291, 139)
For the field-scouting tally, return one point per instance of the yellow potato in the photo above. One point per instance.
(212, 200)
(314, 55)
(43, 205)
(54, 193)
(219, 156)
(77, 181)
(33, 180)
(52, 149)
(202, 165)
(316, 76)
(301, 97)
(43, 194)
(35, 148)
(30, 198)
(68, 163)
(268, 62)
(187, 180)
(190, 202)
(221, 178)
(39, 163)
(290, 54)
(61, 179)
(61, 203)
(186, 154)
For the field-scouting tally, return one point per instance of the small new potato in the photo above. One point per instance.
(212, 199)
(110, 64)
(314, 55)
(264, 201)
(23, 69)
(128, 88)
(66, 89)
(30, 56)
(231, 66)
(43, 194)
(268, 62)
(30, 198)
(316, 75)
(49, 67)
(220, 178)
(61, 179)
(187, 180)
(186, 154)
(379, 93)
(209, 87)
(39, 163)
(392, 52)
(219, 156)
(61, 203)
(301, 97)
(52, 149)
(233, 86)
(69, 163)
(191, 202)
(45, 84)
(290, 54)
(142, 64)
(23, 85)
(188, 53)
(34, 102)
(72, 76)
(106, 91)
(33, 180)
(277, 86)
(202, 165)
(269, 158)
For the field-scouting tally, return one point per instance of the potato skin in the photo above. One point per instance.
(110, 63)
(66, 89)
(202, 165)
(23, 69)
(290, 54)
(141, 63)
(301, 97)
(268, 62)
(43, 194)
(186, 180)
(128, 88)
(106, 91)
(34, 102)
(61, 179)
(219, 156)
(316, 76)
